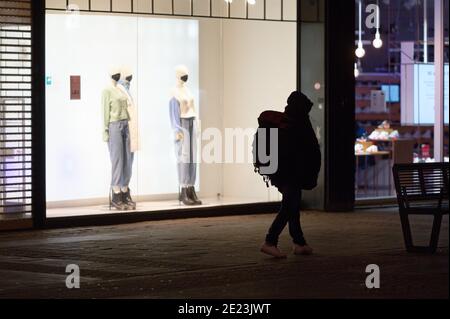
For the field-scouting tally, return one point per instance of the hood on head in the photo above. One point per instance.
(298, 105)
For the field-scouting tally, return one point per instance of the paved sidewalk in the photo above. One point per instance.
(219, 258)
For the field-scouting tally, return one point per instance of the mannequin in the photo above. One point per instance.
(116, 133)
(124, 85)
(183, 118)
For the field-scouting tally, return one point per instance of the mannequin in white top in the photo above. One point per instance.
(183, 117)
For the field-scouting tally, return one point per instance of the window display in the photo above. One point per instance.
(153, 91)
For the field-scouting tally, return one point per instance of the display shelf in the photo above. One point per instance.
(367, 82)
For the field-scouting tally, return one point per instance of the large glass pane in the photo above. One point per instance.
(313, 85)
(395, 90)
(208, 79)
(80, 60)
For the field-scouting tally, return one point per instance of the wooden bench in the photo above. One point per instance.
(422, 189)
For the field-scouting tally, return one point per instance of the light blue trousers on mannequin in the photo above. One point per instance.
(186, 151)
(120, 154)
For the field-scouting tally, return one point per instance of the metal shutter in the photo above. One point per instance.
(15, 106)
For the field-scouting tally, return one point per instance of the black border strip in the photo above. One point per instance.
(340, 105)
(226, 17)
(38, 112)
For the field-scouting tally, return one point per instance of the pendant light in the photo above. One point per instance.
(360, 52)
(377, 42)
(356, 71)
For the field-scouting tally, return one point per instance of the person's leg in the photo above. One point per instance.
(281, 219)
(280, 222)
(295, 229)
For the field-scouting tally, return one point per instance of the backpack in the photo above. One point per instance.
(269, 120)
(302, 172)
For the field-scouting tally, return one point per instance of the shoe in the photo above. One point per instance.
(273, 251)
(193, 196)
(184, 197)
(303, 250)
(117, 202)
(128, 201)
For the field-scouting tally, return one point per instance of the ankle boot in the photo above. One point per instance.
(117, 201)
(128, 201)
(193, 195)
(184, 197)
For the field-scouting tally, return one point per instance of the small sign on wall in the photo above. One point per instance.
(75, 87)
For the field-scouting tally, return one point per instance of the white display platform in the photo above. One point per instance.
(153, 206)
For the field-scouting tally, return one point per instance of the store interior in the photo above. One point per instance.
(395, 92)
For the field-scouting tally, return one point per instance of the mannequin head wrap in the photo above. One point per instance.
(126, 72)
(181, 71)
(114, 70)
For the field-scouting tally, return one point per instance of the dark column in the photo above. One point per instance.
(38, 112)
(299, 45)
(340, 109)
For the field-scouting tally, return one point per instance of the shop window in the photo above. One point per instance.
(395, 87)
(235, 70)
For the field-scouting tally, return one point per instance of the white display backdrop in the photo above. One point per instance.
(78, 165)
(259, 74)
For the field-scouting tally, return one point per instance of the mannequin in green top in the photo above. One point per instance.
(117, 134)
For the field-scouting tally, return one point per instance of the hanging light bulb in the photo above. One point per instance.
(360, 52)
(251, 2)
(356, 71)
(377, 42)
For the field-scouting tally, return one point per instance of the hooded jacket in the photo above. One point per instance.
(299, 150)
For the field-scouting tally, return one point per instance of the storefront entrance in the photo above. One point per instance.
(232, 61)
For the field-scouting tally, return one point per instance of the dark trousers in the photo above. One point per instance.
(289, 213)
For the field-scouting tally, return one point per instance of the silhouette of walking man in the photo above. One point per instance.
(299, 165)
